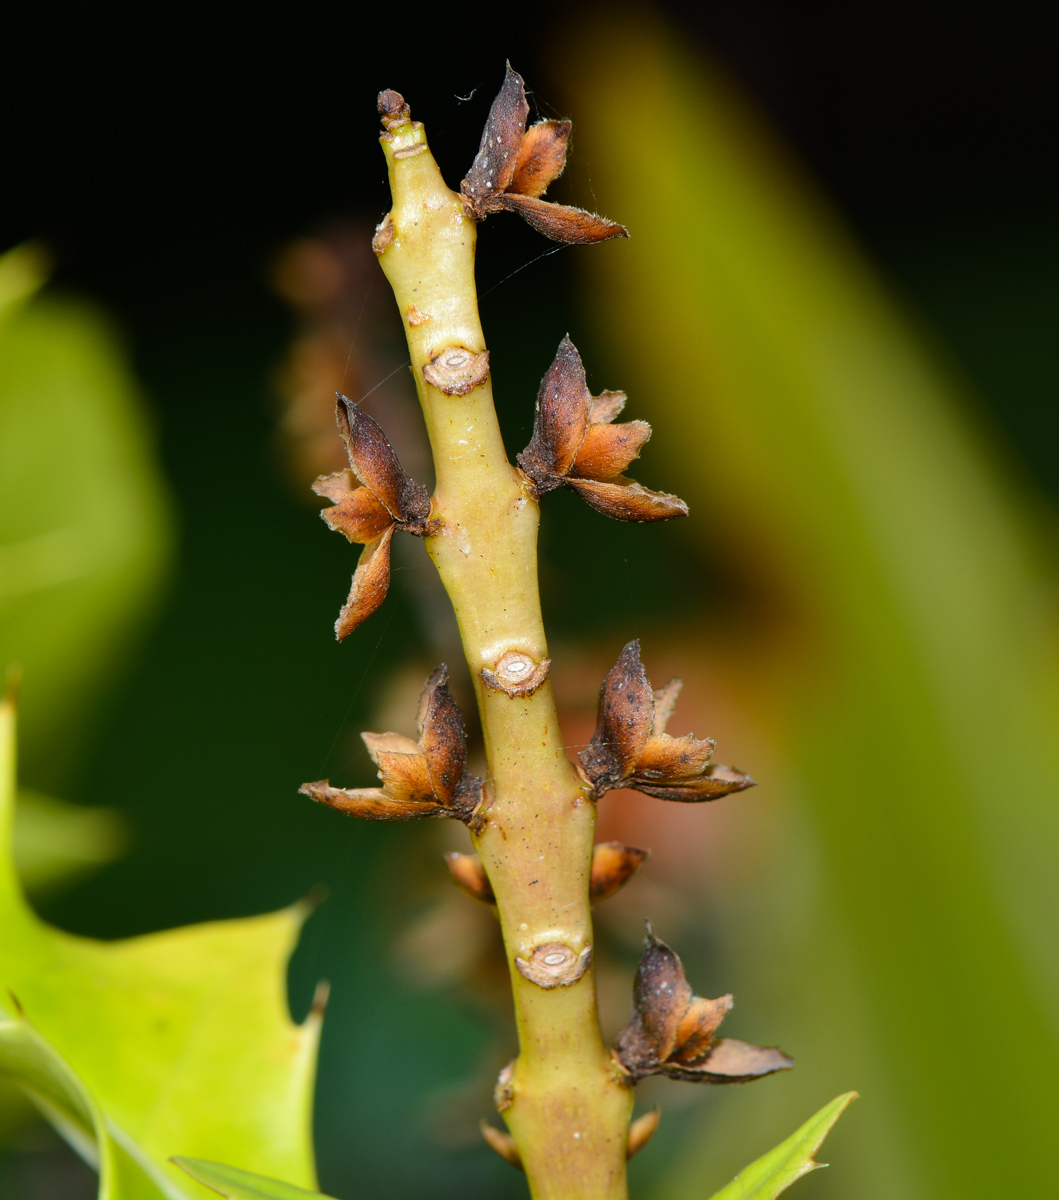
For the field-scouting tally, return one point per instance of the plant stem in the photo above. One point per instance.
(565, 1103)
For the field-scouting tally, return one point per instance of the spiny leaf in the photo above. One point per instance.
(242, 1185)
(776, 1171)
(182, 1039)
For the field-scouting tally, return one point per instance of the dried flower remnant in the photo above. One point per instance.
(613, 865)
(502, 1143)
(427, 778)
(672, 1030)
(575, 445)
(384, 500)
(514, 166)
(468, 874)
(631, 748)
(641, 1131)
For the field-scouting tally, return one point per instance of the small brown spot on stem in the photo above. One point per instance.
(416, 317)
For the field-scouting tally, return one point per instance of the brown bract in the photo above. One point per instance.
(368, 512)
(672, 1030)
(613, 865)
(575, 445)
(427, 778)
(631, 748)
(514, 166)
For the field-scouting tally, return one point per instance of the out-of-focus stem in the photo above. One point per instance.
(564, 1102)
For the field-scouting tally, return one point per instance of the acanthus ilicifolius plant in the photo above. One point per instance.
(567, 1098)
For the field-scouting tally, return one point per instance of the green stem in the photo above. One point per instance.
(565, 1104)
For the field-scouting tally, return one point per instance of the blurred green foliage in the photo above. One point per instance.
(56, 842)
(832, 467)
(84, 523)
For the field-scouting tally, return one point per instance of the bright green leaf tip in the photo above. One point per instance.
(242, 1185)
(776, 1171)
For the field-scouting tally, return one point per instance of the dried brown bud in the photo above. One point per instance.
(502, 1143)
(672, 1030)
(515, 673)
(386, 499)
(376, 465)
(631, 748)
(468, 874)
(427, 778)
(514, 166)
(393, 109)
(641, 1131)
(554, 965)
(575, 445)
(613, 865)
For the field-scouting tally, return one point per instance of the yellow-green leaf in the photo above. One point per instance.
(242, 1185)
(55, 1089)
(182, 1038)
(776, 1171)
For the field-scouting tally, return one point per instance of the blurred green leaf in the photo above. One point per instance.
(29, 1059)
(776, 1171)
(56, 843)
(183, 1038)
(242, 1185)
(84, 523)
(903, 620)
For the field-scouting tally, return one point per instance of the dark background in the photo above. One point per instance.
(167, 155)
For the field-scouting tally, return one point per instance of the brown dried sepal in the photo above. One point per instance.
(613, 865)
(672, 1030)
(368, 512)
(457, 370)
(575, 445)
(427, 778)
(554, 965)
(468, 874)
(631, 748)
(641, 1131)
(516, 674)
(514, 167)
(503, 1143)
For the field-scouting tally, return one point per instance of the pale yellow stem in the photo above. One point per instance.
(566, 1106)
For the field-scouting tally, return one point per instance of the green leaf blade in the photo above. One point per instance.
(242, 1185)
(774, 1172)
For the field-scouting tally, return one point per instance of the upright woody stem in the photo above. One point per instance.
(565, 1101)
(566, 1098)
